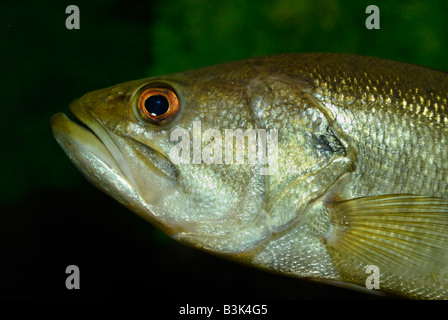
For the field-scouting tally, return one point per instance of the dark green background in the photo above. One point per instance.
(51, 217)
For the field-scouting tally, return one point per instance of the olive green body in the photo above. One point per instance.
(348, 127)
(392, 120)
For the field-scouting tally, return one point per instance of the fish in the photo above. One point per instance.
(323, 166)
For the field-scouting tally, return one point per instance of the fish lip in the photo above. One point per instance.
(88, 121)
(107, 138)
(84, 144)
(112, 142)
(83, 147)
(78, 137)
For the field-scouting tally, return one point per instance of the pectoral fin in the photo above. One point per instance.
(404, 234)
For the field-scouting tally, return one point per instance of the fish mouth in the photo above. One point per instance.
(91, 157)
(106, 160)
(85, 144)
(103, 144)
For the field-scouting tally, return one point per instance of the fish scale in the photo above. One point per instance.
(361, 174)
(372, 125)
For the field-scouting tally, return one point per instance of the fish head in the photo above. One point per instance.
(168, 148)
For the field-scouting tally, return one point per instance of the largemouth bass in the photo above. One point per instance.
(324, 166)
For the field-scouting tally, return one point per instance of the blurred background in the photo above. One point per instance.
(51, 217)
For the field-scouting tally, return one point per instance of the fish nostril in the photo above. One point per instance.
(116, 97)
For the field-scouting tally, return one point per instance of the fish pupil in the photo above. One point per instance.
(157, 105)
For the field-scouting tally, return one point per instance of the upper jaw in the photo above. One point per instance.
(82, 145)
(106, 138)
(98, 158)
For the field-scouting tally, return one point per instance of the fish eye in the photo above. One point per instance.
(158, 105)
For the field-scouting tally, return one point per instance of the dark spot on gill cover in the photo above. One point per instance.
(328, 143)
(323, 144)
